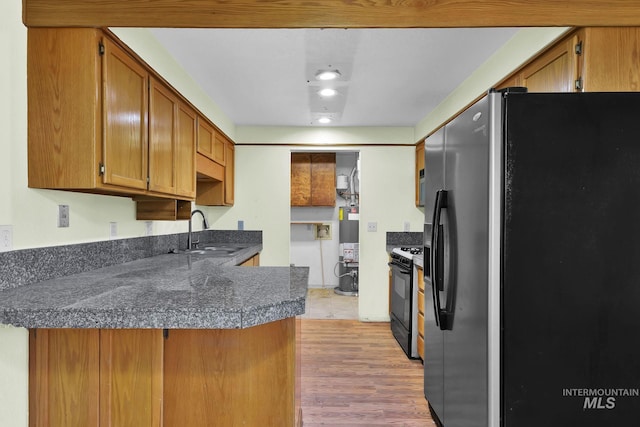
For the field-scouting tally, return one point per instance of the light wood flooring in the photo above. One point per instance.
(324, 303)
(355, 374)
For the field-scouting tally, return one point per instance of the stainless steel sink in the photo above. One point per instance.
(219, 250)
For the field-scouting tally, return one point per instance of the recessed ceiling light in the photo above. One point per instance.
(328, 92)
(328, 75)
(324, 120)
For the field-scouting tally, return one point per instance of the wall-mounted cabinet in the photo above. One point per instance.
(587, 59)
(100, 120)
(215, 167)
(419, 178)
(313, 179)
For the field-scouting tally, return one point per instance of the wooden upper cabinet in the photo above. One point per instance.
(211, 143)
(555, 70)
(206, 138)
(611, 59)
(419, 170)
(229, 174)
(163, 111)
(64, 108)
(323, 179)
(592, 59)
(125, 118)
(300, 179)
(313, 179)
(186, 151)
(171, 143)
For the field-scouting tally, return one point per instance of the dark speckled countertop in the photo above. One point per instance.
(171, 291)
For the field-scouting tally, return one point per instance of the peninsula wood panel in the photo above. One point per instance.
(230, 377)
(64, 377)
(329, 13)
(131, 377)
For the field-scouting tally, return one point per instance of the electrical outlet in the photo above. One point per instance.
(372, 226)
(113, 230)
(148, 228)
(240, 224)
(407, 226)
(6, 238)
(63, 215)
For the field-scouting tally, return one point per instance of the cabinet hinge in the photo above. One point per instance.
(148, 180)
(578, 84)
(578, 48)
(101, 48)
(165, 333)
(101, 168)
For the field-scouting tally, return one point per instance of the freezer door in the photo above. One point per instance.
(571, 260)
(465, 256)
(434, 351)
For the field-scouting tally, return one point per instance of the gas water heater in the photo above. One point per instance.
(349, 251)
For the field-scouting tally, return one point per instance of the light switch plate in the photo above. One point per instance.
(63, 215)
(113, 230)
(6, 238)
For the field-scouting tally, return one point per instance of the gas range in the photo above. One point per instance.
(404, 255)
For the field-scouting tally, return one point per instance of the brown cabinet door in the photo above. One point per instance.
(163, 105)
(300, 179)
(64, 111)
(611, 59)
(419, 167)
(229, 174)
(313, 179)
(125, 104)
(219, 152)
(206, 138)
(323, 179)
(64, 377)
(186, 152)
(131, 377)
(554, 71)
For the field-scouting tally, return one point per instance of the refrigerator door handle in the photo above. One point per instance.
(435, 258)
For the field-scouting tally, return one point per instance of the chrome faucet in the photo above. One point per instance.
(190, 241)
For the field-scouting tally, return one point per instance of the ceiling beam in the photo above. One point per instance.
(329, 13)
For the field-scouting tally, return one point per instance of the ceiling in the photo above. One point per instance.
(389, 77)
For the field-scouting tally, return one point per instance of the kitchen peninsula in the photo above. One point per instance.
(172, 339)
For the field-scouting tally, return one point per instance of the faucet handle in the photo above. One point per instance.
(194, 243)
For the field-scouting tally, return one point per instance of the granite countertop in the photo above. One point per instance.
(170, 291)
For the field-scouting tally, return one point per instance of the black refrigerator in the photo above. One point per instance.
(532, 262)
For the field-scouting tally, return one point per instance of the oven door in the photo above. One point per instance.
(401, 294)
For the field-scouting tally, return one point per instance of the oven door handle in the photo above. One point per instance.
(399, 267)
(435, 260)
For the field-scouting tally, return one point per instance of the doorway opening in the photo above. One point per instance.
(325, 236)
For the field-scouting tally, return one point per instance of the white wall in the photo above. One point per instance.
(262, 191)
